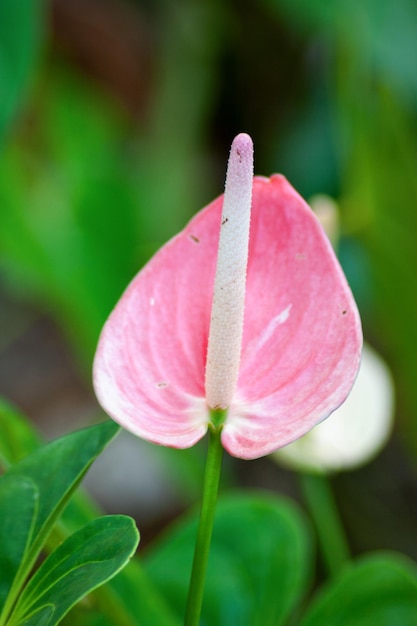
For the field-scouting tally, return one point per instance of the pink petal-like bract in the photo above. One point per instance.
(301, 335)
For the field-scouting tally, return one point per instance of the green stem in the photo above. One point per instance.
(331, 535)
(205, 527)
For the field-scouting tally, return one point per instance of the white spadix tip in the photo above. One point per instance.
(227, 312)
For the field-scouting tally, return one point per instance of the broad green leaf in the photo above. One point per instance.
(62, 239)
(17, 437)
(71, 104)
(380, 589)
(86, 560)
(144, 602)
(55, 470)
(41, 617)
(18, 505)
(130, 596)
(259, 563)
(58, 467)
(23, 257)
(21, 35)
(129, 599)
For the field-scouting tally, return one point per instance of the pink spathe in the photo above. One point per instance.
(301, 335)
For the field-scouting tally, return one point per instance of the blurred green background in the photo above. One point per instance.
(116, 118)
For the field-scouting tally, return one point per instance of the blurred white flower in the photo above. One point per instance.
(327, 211)
(356, 431)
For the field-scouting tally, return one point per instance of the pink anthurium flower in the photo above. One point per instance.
(277, 346)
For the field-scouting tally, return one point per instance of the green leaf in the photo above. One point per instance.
(62, 240)
(129, 599)
(259, 563)
(18, 438)
(86, 560)
(21, 35)
(143, 601)
(379, 589)
(41, 617)
(18, 504)
(130, 596)
(55, 470)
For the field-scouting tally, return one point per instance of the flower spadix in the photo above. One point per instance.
(227, 309)
(277, 346)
